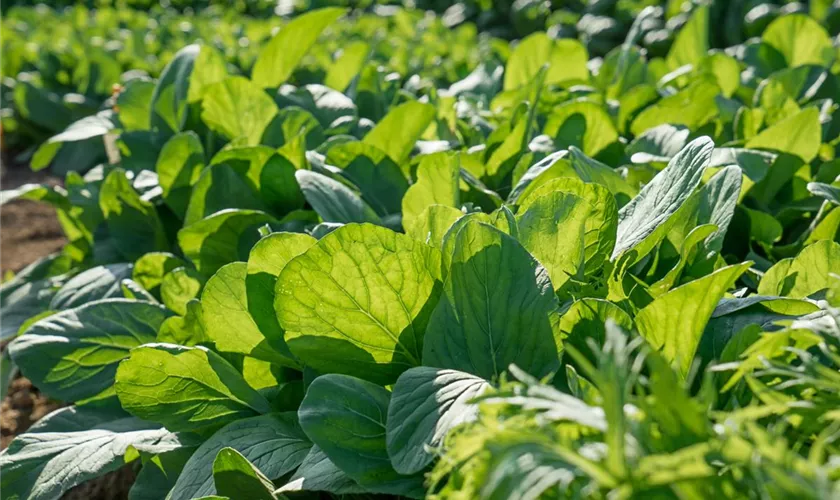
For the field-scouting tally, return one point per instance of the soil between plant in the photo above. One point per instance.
(29, 231)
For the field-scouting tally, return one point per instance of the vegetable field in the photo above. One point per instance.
(585, 249)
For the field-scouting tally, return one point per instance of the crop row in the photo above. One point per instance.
(555, 276)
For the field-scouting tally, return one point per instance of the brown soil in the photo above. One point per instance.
(22, 407)
(29, 231)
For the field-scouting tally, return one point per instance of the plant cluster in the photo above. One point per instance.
(438, 264)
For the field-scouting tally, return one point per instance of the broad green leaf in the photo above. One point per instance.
(825, 191)
(265, 262)
(325, 104)
(800, 40)
(496, 310)
(132, 290)
(234, 180)
(503, 220)
(714, 203)
(209, 67)
(178, 167)
(179, 287)
(592, 171)
(674, 322)
(294, 125)
(235, 476)
(50, 461)
(693, 107)
(186, 330)
(229, 323)
(581, 124)
(281, 55)
(380, 181)
(690, 252)
(644, 221)
(88, 127)
(553, 166)
(438, 177)
(170, 96)
(73, 354)
(426, 404)
(138, 150)
(133, 222)
(584, 322)
(431, 224)
(159, 474)
(318, 473)
(504, 157)
(275, 444)
(134, 104)
(725, 69)
(346, 418)
(692, 42)
(803, 275)
(150, 269)
(96, 283)
(734, 315)
(764, 228)
(345, 69)
(332, 200)
(20, 303)
(237, 107)
(600, 224)
(553, 228)
(658, 144)
(799, 135)
(397, 132)
(217, 240)
(185, 388)
(358, 302)
(566, 61)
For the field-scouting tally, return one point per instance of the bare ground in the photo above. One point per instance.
(29, 231)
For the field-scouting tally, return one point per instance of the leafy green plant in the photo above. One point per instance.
(501, 277)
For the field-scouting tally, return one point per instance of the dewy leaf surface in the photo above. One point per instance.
(73, 354)
(359, 301)
(185, 388)
(346, 417)
(642, 223)
(425, 405)
(496, 309)
(274, 443)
